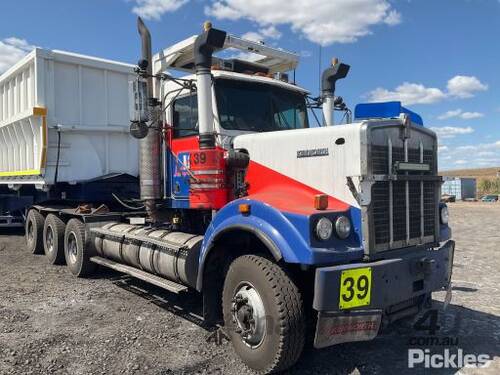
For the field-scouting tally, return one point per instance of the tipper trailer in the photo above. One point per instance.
(64, 132)
(282, 227)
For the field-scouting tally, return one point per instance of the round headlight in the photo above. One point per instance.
(343, 227)
(445, 215)
(324, 228)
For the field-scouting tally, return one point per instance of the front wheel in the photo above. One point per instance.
(263, 314)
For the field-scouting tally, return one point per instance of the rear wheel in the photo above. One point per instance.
(53, 239)
(76, 249)
(34, 231)
(263, 314)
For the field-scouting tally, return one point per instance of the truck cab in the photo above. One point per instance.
(354, 206)
(275, 222)
(243, 104)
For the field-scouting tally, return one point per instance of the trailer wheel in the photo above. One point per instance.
(34, 232)
(76, 249)
(53, 239)
(263, 314)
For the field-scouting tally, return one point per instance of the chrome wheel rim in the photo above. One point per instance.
(72, 248)
(249, 315)
(49, 239)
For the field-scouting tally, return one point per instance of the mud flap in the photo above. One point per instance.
(336, 328)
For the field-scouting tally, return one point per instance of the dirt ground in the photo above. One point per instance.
(51, 322)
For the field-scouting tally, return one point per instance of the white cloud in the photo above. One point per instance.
(474, 156)
(460, 114)
(324, 22)
(408, 93)
(465, 86)
(451, 131)
(265, 33)
(450, 114)
(393, 18)
(485, 153)
(416, 93)
(154, 9)
(11, 51)
(471, 115)
(270, 32)
(480, 147)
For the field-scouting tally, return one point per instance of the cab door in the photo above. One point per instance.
(183, 139)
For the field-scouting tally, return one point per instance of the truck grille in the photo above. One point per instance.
(403, 213)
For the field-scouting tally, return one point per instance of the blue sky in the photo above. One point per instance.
(439, 56)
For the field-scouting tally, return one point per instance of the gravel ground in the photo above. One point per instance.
(51, 322)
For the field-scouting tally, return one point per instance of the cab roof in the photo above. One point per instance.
(180, 56)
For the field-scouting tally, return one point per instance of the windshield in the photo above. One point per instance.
(258, 107)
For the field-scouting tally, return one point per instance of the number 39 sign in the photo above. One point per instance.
(355, 287)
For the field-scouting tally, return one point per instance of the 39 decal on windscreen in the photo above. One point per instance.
(355, 288)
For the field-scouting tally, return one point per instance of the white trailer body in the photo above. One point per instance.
(66, 112)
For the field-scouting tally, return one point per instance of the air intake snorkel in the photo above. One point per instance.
(328, 80)
(205, 45)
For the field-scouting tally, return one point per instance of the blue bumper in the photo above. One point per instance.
(394, 280)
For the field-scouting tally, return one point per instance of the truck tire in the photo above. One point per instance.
(263, 314)
(76, 249)
(34, 231)
(53, 239)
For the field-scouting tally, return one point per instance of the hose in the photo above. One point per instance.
(126, 205)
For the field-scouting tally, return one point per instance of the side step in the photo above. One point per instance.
(141, 275)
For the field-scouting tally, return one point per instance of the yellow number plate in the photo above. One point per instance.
(355, 288)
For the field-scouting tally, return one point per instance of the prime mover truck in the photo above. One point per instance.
(220, 185)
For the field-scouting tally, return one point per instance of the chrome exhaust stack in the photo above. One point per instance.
(149, 146)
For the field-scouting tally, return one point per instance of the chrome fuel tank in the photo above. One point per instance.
(173, 255)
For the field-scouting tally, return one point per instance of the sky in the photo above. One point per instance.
(439, 57)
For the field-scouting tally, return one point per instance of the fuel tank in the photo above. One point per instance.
(173, 255)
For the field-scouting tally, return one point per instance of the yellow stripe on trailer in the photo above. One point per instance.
(29, 172)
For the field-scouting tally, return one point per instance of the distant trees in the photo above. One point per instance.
(489, 186)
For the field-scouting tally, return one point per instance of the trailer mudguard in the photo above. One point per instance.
(286, 235)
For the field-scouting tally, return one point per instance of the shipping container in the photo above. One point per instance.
(461, 188)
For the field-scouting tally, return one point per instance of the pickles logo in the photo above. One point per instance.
(447, 359)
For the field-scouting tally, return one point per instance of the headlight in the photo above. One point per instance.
(343, 227)
(324, 228)
(444, 215)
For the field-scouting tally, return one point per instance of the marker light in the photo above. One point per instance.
(321, 202)
(244, 208)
